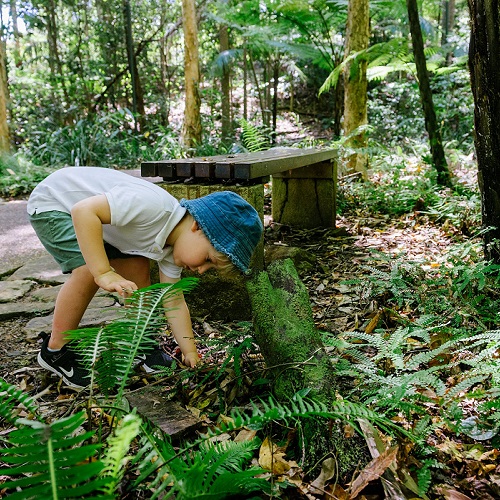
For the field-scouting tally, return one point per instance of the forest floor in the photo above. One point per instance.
(336, 256)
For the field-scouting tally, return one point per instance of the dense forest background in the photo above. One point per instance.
(73, 98)
(403, 292)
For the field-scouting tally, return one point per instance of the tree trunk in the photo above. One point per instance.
(226, 131)
(276, 74)
(447, 23)
(4, 97)
(431, 125)
(296, 358)
(137, 94)
(55, 64)
(355, 83)
(15, 31)
(484, 65)
(191, 129)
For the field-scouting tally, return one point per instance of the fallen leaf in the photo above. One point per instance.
(271, 459)
(245, 435)
(373, 470)
(328, 470)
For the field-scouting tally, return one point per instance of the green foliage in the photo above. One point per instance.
(397, 188)
(253, 138)
(18, 176)
(11, 398)
(110, 352)
(52, 461)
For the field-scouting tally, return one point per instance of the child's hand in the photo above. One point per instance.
(191, 359)
(113, 282)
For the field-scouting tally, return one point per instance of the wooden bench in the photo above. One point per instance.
(303, 180)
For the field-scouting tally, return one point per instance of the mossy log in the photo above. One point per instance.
(296, 359)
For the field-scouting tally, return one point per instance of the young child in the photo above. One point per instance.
(103, 226)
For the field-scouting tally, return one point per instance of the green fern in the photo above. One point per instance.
(200, 470)
(52, 461)
(253, 138)
(10, 399)
(116, 458)
(110, 352)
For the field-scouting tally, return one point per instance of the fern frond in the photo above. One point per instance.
(252, 137)
(464, 386)
(113, 349)
(52, 461)
(10, 399)
(115, 457)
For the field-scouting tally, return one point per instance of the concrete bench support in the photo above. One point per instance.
(305, 197)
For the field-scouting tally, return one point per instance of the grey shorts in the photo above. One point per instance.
(57, 234)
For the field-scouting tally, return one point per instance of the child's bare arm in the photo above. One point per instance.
(178, 316)
(88, 217)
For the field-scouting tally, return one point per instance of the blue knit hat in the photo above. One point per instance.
(231, 224)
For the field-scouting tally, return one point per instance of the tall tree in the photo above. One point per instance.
(355, 83)
(191, 128)
(484, 64)
(225, 84)
(4, 96)
(137, 94)
(55, 62)
(431, 124)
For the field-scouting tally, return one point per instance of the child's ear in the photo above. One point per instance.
(194, 226)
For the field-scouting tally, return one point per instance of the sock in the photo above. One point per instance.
(53, 350)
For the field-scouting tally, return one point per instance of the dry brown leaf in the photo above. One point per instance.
(271, 459)
(450, 494)
(328, 470)
(373, 470)
(373, 323)
(245, 435)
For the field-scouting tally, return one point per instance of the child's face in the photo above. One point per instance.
(193, 251)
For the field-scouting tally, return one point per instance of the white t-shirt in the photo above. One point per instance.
(142, 214)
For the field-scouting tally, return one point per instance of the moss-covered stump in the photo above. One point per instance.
(296, 359)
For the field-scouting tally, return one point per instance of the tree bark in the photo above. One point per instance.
(296, 359)
(484, 65)
(355, 83)
(226, 131)
(191, 129)
(4, 97)
(431, 125)
(137, 93)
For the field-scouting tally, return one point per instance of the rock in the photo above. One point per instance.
(171, 417)
(92, 317)
(15, 309)
(14, 289)
(43, 270)
(46, 294)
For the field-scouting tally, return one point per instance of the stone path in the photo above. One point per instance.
(31, 290)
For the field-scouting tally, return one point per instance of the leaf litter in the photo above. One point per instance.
(465, 463)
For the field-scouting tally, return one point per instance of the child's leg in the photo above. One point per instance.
(76, 294)
(71, 303)
(135, 269)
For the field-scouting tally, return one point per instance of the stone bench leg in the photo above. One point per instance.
(306, 197)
